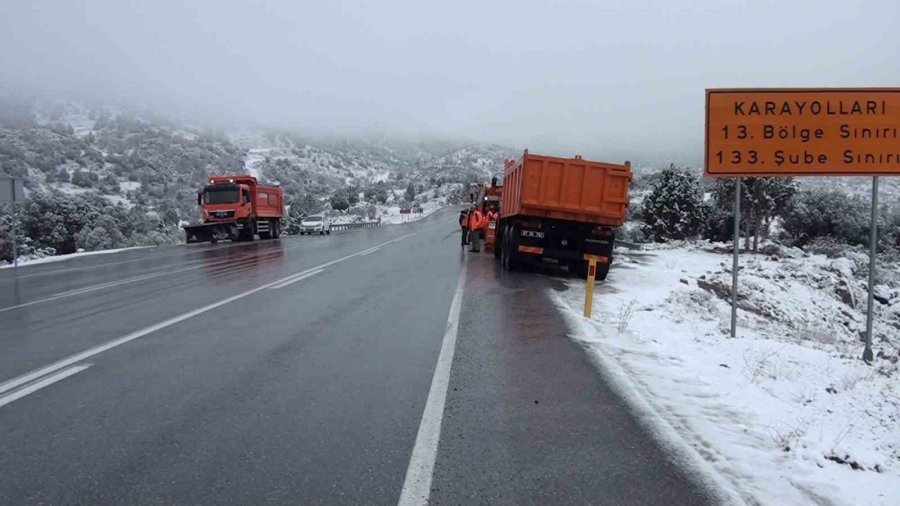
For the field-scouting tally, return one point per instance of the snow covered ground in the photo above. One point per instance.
(784, 414)
(34, 260)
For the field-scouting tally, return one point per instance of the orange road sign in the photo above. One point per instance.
(802, 132)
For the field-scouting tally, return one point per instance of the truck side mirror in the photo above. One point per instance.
(200, 198)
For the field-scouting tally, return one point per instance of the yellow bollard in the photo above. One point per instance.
(589, 285)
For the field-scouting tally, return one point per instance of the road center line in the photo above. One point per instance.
(49, 380)
(369, 251)
(296, 278)
(417, 485)
(96, 350)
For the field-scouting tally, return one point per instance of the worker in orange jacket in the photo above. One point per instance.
(491, 216)
(464, 227)
(476, 223)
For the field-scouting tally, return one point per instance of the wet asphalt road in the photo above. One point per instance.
(308, 391)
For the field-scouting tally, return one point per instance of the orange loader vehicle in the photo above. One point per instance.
(488, 200)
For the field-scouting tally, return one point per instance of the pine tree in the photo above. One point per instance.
(762, 200)
(675, 208)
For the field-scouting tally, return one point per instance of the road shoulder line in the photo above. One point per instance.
(417, 485)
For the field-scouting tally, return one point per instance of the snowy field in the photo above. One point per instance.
(784, 414)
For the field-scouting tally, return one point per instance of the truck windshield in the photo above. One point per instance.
(220, 196)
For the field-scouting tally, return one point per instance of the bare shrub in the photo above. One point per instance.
(626, 311)
(788, 436)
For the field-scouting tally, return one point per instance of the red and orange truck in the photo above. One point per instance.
(563, 209)
(238, 208)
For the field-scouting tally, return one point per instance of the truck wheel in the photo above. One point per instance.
(602, 271)
(509, 252)
(249, 232)
(266, 235)
(498, 243)
(276, 229)
(328, 231)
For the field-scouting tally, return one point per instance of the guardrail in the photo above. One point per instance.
(629, 245)
(350, 226)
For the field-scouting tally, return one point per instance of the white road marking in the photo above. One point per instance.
(369, 251)
(96, 350)
(49, 380)
(295, 279)
(403, 237)
(417, 485)
(110, 284)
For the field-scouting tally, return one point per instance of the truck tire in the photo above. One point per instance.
(498, 243)
(509, 252)
(267, 235)
(249, 232)
(602, 271)
(276, 229)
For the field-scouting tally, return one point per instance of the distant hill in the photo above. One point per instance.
(159, 166)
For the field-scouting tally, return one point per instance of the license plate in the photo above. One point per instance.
(533, 233)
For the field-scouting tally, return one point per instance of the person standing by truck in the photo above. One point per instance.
(476, 221)
(464, 227)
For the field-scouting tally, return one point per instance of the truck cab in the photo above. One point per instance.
(220, 202)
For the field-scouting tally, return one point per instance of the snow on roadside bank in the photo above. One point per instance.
(33, 260)
(785, 413)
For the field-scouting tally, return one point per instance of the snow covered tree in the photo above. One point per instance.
(410, 194)
(827, 213)
(340, 201)
(762, 200)
(675, 208)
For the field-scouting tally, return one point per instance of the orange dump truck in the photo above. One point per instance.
(238, 208)
(561, 209)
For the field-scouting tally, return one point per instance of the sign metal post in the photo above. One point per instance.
(873, 247)
(12, 194)
(734, 263)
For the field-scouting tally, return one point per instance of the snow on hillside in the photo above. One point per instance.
(784, 414)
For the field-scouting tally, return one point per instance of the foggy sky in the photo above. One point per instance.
(620, 79)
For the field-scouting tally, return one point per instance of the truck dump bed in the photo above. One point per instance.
(571, 189)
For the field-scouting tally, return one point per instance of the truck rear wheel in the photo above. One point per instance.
(276, 229)
(268, 233)
(498, 243)
(509, 254)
